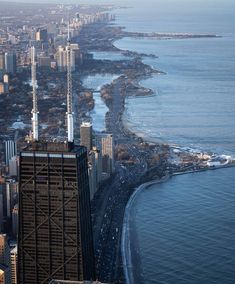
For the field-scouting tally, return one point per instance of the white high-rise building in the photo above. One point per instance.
(86, 135)
(10, 150)
(61, 58)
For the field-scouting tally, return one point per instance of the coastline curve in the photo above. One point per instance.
(125, 239)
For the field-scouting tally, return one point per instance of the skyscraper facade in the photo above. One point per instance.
(9, 150)
(2, 61)
(86, 135)
(10, 62)
(14, 265)
(105, 143)
(55, 233)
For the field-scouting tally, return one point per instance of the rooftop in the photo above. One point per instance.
(51, 146)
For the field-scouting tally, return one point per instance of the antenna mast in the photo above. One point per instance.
(35, 102)
(69, 92)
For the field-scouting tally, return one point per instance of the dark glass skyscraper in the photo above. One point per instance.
(55, 232)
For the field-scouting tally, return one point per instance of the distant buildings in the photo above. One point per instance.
(41, 35)
(61, 57)
(55, 234)
(10, 62)
(94, 170)
(8, 199)
(2, 61)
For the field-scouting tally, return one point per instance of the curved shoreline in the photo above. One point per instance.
(126, 250)
(125, 239)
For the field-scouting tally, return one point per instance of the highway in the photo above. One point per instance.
(109, 203)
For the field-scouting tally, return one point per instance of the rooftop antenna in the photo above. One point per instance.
(69, 92)
(35, 101)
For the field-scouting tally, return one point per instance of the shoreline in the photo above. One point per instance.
(127, 254)
(127, 86)
(126, 250)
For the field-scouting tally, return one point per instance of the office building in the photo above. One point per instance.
(14, 265)
(9, 150)
(92, 174)
(15, 213)
(55, 233)
(61, 58)
(2, 61)
(5, 258)
(41, 35)
(105, 143)
(13, 166)
(10, 62)
(6, 82)
(86, 135)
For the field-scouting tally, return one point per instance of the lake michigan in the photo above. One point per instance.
(183, 230)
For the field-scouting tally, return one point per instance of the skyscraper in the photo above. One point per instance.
(41, 35)
(10, 62)
(2, 61)
(86, 135)
(14, 265)
(9, 150)
(55, 233)
(105, 142)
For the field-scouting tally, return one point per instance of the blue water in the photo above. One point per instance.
(107, 55)
(195, 100)
(95, 82)
(184, 229)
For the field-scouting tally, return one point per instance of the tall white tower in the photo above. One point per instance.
(69, 92)
(35, 101)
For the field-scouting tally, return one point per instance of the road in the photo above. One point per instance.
(110, 201)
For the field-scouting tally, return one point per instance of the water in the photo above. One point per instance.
(95, 82)
(184, 229)
(107, 55)
(195, 100)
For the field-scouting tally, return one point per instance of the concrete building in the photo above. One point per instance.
(105, 143)
(86, 135)
(57, 199)
(10, 62)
